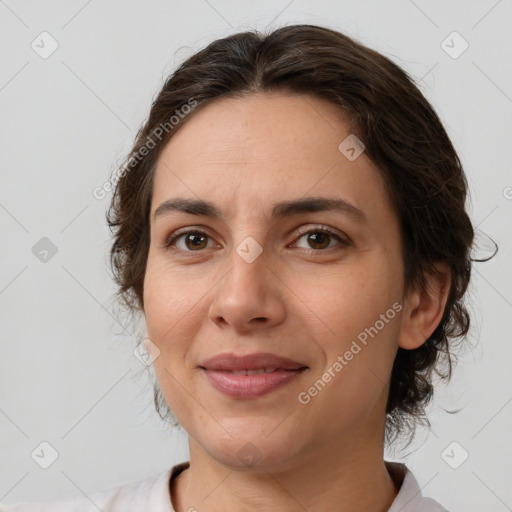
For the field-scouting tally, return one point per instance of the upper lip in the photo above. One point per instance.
(229, 361)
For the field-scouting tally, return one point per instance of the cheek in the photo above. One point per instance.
(349, 299)
(172, 312)
(175, 311)
(358, 310)
(168, 304)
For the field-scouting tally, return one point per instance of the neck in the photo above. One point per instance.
(351, 478)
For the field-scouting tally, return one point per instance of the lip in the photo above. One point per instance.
(219, 370)
(232, 362)
(249, 386)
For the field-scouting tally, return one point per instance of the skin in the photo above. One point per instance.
(245, 154)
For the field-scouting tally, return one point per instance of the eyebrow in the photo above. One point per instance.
(279, 210)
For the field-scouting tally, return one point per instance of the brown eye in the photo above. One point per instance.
(196, 241)
(319, 239)
(193, 241)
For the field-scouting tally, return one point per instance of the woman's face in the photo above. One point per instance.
(260, 280)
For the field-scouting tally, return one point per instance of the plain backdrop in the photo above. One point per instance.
(68, 375)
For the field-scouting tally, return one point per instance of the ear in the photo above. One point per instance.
(424, 309)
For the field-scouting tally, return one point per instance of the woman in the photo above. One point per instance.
(291, 224)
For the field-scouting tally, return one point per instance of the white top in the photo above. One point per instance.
(152, 494)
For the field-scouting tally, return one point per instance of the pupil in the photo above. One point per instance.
(195, 239)
(319, 237)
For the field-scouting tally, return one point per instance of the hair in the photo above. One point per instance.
(402, 135)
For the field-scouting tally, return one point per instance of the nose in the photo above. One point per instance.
(249, 296)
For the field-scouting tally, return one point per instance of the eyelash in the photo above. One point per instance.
(321, 229)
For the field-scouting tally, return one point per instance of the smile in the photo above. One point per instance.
(246, 384)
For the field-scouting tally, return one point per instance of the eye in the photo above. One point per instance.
(193, 240)
(320, 237)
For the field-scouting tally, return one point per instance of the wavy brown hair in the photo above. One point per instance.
(402, 135)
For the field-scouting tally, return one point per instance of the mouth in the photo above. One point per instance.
(250, 376)
(245, 384)
(260, 361)
(258, 371)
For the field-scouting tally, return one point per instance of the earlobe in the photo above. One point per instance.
(424, 309)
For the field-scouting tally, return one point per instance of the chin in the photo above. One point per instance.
(256, 454)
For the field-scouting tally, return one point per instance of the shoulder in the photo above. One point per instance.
(149, 494)
(410, 497)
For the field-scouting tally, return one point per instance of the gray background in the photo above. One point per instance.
(68, 375)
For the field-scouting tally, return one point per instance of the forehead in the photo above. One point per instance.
(248, 152)
(258, 127)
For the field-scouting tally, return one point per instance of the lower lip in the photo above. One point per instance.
(250, 386)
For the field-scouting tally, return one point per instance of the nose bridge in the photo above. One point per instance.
(248, 265)
(246, 292)
(249, 236)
